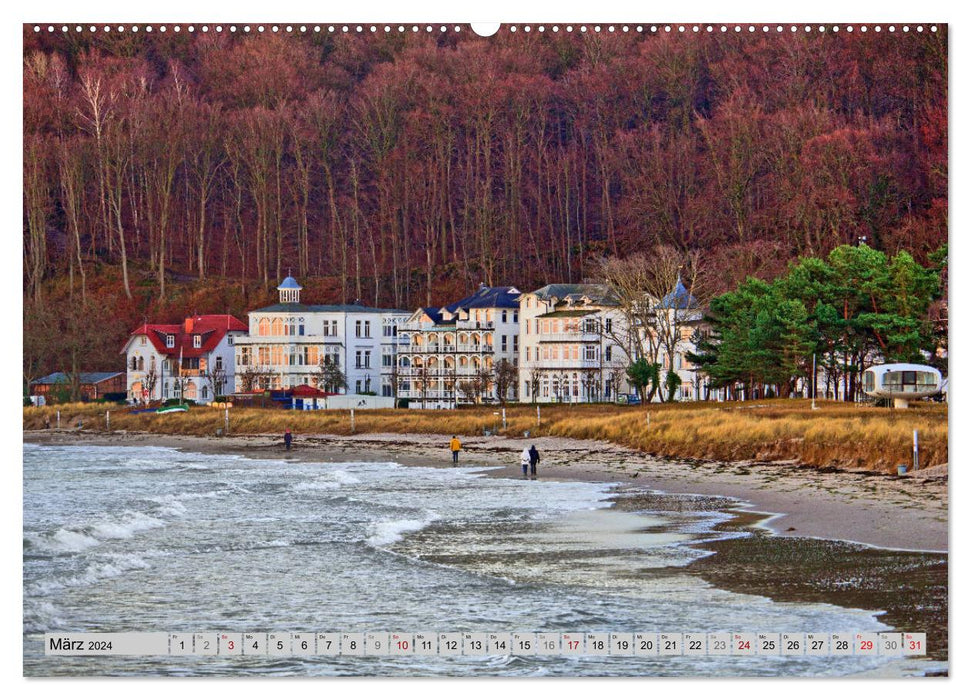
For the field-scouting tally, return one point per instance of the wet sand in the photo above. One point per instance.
(855, 539)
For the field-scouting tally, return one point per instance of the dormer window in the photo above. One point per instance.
(197, 341)
(169, 340)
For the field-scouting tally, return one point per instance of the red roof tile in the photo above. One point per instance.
(212, 328)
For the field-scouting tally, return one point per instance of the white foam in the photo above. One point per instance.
(122, 528)
(68, 541)
(388, 532)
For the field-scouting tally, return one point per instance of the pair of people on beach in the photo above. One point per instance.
(530, 458)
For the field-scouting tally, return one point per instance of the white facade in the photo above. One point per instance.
(568, 352)
(193, 361)
(576, 345)
(288, 342)
(449, 355)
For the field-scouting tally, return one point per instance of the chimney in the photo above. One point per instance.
(189, 324)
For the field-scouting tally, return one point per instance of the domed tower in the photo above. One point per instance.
(289, 291)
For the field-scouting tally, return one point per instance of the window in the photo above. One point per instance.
(301, 329)
(144, 340)
(367, 359)
(515, 317)
(357, 329)
(169, 340)
(264, 355)
(219, 363)
(367, 329)
(504, 343)
(504, 320)
(386, 360)
(357, 387)
(197, 341)
(205, 392)
(276, 328)
(230, 339)
(358, 358)
(590, 352)
(526, 388)
(608, 325)
(527, 354)
(264, 326)
(515, 343)
(244, 356)
(608, 353)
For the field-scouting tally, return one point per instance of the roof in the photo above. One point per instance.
(212, 328)
(488, 298)
(289, 283)
(84, 377)
(596, 293)
(678, 298)
(570, 313)
(326, 308)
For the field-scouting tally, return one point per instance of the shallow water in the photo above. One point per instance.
(155, 539)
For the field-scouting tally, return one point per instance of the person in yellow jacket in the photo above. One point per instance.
(454, 445)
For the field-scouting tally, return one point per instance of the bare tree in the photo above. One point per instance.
(504, 376)
(215, 377)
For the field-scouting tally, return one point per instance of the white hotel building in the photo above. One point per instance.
(288, 341)
(566, 353)
(445, 350)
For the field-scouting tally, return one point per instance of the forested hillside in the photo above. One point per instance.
(171, 173)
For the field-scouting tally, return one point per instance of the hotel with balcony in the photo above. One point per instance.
(449, 355)
(567, 352)
(289, 342)
(192, 360)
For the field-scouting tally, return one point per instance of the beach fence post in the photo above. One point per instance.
(227, 420)
(648, 419)
(503, 419)
(58, 419)
(537, 415)
(352, 420)
(916, 453)
(108, 421)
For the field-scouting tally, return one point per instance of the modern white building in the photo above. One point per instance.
(453, 354)
(291, 343)
(193, 360)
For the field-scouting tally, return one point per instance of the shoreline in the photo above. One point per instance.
(907, 513)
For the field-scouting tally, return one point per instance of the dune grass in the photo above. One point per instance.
(836, 435)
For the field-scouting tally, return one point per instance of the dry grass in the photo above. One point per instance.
(835, 435)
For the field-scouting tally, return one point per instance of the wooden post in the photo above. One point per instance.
(58, 419)
(352, 420)
(537, 415)
(648, 419)
(108, 421)
(503, 418)
(227, 420)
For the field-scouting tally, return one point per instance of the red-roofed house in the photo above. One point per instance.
(192, 360)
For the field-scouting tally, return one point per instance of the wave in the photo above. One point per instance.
(391, 531)
(107, 566)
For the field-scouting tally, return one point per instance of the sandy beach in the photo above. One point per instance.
(904, 513)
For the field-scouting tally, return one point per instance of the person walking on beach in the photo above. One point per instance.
(533, 460)
(454, 445)
(524, 459)
(287, 438)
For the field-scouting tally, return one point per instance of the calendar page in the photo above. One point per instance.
(436, 349)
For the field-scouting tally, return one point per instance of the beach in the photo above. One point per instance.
(858, 540)
(880, 510)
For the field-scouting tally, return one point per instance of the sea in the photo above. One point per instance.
(154, 539)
